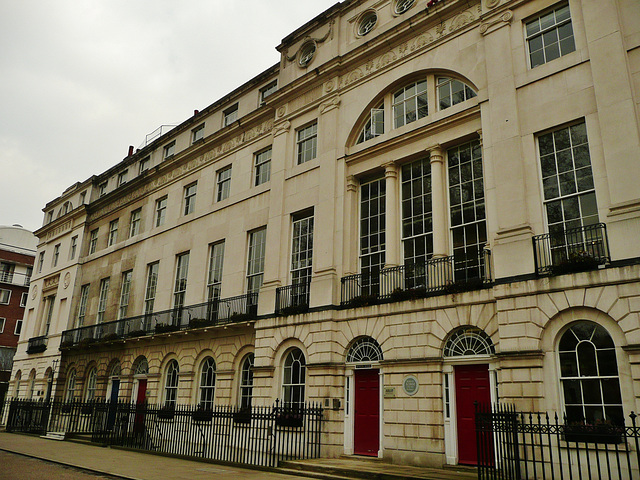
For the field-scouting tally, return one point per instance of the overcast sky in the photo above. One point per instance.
(81, 80)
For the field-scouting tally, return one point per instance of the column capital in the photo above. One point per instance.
(435, 153)
(390, 169)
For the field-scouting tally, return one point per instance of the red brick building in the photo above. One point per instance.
(17, 255)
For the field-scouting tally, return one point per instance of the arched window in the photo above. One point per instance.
(452, 91)
(468, 341)
(142, 367)
(32, 384)
(589, 375)
(71, 385)
(16, 390)
(246, 381)
(171, 383)
(90, 386)
(365, 349)
(294, 377)
(410, 103)
(207, 383)
(374, 125)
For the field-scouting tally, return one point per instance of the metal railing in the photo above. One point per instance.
(261, 436)
(450, 274)
(37, 344)
(514, 445)
(292, 299)
(217, 312)
(571, 250)
(14, 278)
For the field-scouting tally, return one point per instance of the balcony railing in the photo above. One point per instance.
(37, 344)
(217, 312)
(292, 299)
(14, 278)
(571, 250)
(451, 274)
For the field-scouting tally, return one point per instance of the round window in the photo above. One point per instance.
(306, 54)
(367, 23)
(403, 5)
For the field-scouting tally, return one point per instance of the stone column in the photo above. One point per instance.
(350, 241)
(392, 214)
(438, 201)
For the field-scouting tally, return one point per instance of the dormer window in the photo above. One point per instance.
(268, 90)
(102, 189)
(197, 133)
(144, 165)
(122, 177)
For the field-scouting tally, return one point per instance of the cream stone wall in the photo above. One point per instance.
(523, 313)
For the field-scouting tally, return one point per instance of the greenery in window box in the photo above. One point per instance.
(599, 432)
(66, 408)
(200, 323)
(464, 285)
(167, 412)
(202, 415)
(240, 317)
(85, 342)
(164, 328)
(576, 262)
(136, 333)
(363, 301)
(67, 344)
(111, 337)
(36, 348)
(289, 418)
(242, 416)
(86, 409)
(399, 294)
(294, 310)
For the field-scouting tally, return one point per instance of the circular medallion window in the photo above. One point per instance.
(403, 5)
(367, 23)
(468, 341)
(306, 54)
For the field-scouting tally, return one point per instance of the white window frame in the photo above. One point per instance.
(302, 247)
(161, 211)
(307, 143)
(93, 241)
(40, 261)
(449, 84)
(122, 177)
(255, 259)
(207, 386)
(197, 133)
(50, 304)
(18, 328)
(56, 255)
(262, 166)
(182, 274)
(216, 263)
(90, 385)
(189, 198)
(169, 150)
(72, 247)
(82, 304)
(2, 323)
(134, 222)
(102, 189)
(7, 296)
(144, 165)
(293, 393)
(403, 98)
(246, 381)
(125, 293)
(545, 31)
(223, 183)
(151, 287)
(102, 299)
(171, 384)
(24, 298)
(70, 387)
(112, 238)
(267, 90)
(230, 115)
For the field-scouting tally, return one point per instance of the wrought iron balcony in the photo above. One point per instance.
(37, 344)
(451, 274)
(292, 299)
(217, 312)
(571, 250)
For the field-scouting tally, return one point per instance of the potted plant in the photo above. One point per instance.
(136, 333)
(167, 412)
(363, 301)
(110, 337)
(289, 418)
(202, 414)
(165, 328)
(242, 416)
(199, 323)
(579, 261)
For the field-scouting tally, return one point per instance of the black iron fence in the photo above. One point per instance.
(37, 344)
(452, 274)
(521, 446)
(256, 436)
(292, 299)
(219, 311)
(571, 250)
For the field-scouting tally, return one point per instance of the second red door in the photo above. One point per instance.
(472, 384)
(366, 435)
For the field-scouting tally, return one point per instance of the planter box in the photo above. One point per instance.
(289, 420)
(242, 417)
(607, 434)
(163, 328)
(166, 413)
(202, 416)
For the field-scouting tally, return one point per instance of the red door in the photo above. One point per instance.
(366, 433)
(472, 384)
(138, 426)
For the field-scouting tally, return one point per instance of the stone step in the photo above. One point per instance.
(54, 436)
(374, 469)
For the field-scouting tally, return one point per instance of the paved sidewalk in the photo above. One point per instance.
(125, 464)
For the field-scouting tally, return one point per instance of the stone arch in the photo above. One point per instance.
(364, 349)
(466, 341)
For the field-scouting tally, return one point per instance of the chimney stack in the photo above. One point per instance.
(195, 112)
(130, 150)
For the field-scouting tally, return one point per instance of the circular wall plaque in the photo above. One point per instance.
(66, 280)
(410, 385)
(34, 291)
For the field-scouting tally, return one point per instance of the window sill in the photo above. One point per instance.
(551, 68)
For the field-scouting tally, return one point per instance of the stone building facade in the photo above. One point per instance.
(422, 205)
